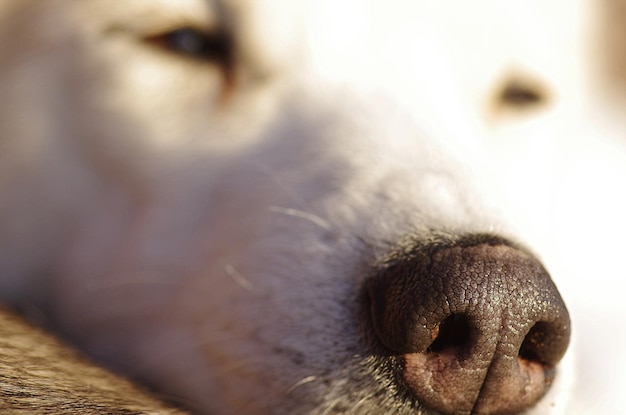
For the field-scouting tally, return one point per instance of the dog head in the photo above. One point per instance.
(277, 207)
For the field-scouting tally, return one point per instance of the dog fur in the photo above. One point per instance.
(203, 220)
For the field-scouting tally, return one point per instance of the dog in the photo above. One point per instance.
(288, 207)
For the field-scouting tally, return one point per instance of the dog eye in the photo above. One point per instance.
(196, 44)
(522, 95)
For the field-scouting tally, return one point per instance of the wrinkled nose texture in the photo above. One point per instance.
(478, 324)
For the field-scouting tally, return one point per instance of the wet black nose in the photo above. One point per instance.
(478, 323)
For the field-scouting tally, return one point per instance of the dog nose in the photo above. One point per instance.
(478, 325)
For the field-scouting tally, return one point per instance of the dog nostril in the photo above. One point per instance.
(478, 325)
(530, 347)
(540, 347)
(453, 335)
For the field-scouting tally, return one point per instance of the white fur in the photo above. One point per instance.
(217, 250)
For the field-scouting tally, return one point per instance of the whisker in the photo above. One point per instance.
(299, 383)
(242, 281)
(297, 213)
